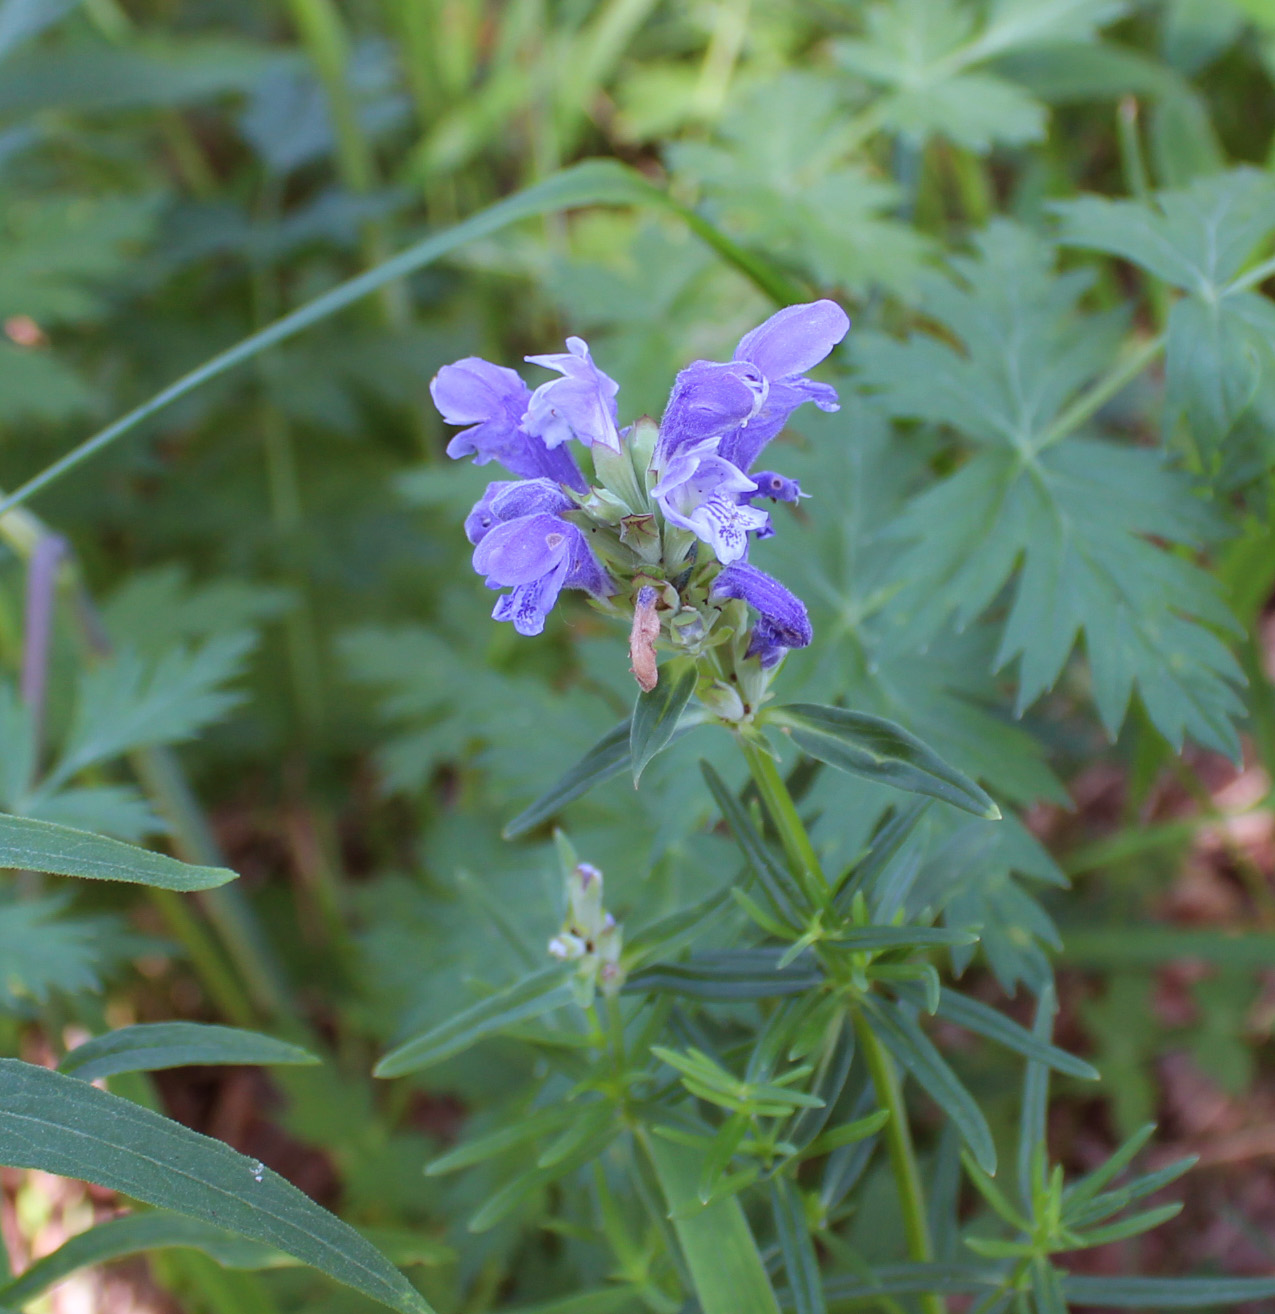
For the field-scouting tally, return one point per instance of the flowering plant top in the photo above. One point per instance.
(657, 523)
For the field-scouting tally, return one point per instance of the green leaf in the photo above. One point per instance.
(136, 1234)
(914, 1280)
(30, 845)
(780, 170)
(782, 888)
(1166, 1293)
(526, 1127)
(591, 182)
(1080, 525)
(983, 1020)
(730, 974)
(805, 1282)
(607, 758)
(103, 77)
(1197, 239)
(655, 717)
(150, 1047)
(42, 951)
(126, 703)
(61, 1125)
(529, 998)
(915, 1051)
(720, 1252)
(877, 749)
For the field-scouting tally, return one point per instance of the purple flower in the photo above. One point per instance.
(720, 416)
(524, 545)
(580, 405)
(708, 400)
(509, 501)
(493, 400)
(784, 622)
(701, 492)
(777, 487)
(789, 343)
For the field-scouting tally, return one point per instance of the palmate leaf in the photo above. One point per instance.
(927, 56)
(127, 703)
(1072, 518)
(780, 173)
(1219, 350)
(43, 952)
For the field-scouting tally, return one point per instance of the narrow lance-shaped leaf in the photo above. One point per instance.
(914, 1050)
(877, 749)
(1165, 1293)
(779, 883)
(530, 998)
(605, 759)
(796, 1247)
(61, 1125)
(720, 1251)
(154, 1046)
(30, 845)
(655, 717)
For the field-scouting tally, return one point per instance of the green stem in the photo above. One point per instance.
(898, 1138)
(1103, 391)
(907, 1176)
(800, 852)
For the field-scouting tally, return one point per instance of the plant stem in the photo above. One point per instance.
(1104, 390)
(898, 1138)
(800, 852)
(907, 1176)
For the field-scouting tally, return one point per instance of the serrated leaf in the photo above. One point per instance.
(126, 703)
(60, 1125)
(655, 716)
(150, 1047)
(782, 169)
(877, 749)
(530, 998)
(30, 845)
(43, 951)
(1080, 522)
(1198, 239)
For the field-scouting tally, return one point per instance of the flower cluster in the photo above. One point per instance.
(658, 523)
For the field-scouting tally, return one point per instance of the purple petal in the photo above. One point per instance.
(523, 550)
(708, 400)
(794, 339)
(529, 604)
(508, 501)
(493, 399)
(579, 405)
(775, 486)
(744, 445)
(785, 615)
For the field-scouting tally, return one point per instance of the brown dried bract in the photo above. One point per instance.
(646, 629)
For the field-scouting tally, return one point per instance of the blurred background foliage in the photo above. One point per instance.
(271, 573)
